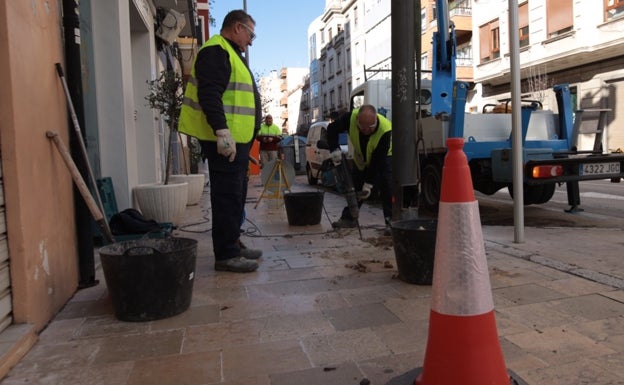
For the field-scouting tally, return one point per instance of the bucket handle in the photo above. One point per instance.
(140, 250)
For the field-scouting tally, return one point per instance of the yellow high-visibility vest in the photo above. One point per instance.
(239, 103)
(373, 141)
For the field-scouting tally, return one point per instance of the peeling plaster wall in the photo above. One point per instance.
(37, 184)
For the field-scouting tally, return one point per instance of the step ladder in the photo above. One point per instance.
(598, 132)
(277, 181)
(572, 188)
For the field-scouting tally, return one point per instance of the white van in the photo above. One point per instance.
(316, 156)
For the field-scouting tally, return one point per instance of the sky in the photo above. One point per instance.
(281, 30)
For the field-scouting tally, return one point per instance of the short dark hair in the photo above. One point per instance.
(236, 16)
(368, 107)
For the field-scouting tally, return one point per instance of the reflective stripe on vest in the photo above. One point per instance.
(373, 141)
(238, 101)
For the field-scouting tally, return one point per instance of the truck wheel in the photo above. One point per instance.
(548, 190)
(311, 179)
(535, 195)
(430, 184)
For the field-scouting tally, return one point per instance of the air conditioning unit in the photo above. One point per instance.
(170, 26)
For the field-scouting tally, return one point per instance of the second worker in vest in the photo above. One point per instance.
(269, 138)
(222, 109)
(371, 136)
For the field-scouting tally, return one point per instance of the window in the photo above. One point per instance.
(331, 67)
(523, 23)
(313, 47)
(423, 20)
(339, 96)
(355, 17)
(559, 17)
(424, 62)
(331, 35)
(464, 55)
(348, 58)
(338, 61)
(489, 41)
(322, 36)
(613, 9)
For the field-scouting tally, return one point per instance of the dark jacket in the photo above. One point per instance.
(212, 70)
(379, 154)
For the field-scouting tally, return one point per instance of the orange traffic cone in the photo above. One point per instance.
(463, 346)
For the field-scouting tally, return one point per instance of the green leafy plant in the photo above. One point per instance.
(165, 95)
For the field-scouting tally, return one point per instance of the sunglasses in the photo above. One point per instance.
(252, 35)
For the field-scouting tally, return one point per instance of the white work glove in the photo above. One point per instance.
(366, 191)
(336, 156)
(226, 146)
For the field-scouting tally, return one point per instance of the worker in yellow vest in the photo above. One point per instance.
(371, 135)
(269, 138)
(222, 109)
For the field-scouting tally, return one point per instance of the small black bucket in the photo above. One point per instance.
(414, 248)
(149, 279)
(304, 208)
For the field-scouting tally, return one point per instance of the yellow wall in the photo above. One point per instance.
(37, 185)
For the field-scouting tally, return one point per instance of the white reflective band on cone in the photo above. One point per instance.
(461, 281)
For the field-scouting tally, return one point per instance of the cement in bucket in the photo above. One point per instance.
(149, 279)
(304, 208)
(414, 248)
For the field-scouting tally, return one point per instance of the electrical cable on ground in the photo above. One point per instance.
(254, 231)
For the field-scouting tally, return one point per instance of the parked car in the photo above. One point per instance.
(316, 157)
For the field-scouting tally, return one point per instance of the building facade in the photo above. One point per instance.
(109, 50)
(578, 42)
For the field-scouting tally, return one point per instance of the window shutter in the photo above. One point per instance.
(559, 15)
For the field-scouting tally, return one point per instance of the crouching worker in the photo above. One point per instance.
(371, 136)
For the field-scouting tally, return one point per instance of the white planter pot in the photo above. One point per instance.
(162, 203)
(196, 183)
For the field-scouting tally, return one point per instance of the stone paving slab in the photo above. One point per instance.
(326, 307)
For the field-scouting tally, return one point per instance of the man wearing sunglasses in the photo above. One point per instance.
(370, 134)
(222, 109)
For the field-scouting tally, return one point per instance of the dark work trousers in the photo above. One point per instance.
(383, 181)
(228, 192)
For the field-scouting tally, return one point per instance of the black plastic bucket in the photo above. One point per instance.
(304, 208)
(149, 279)
(414, 249)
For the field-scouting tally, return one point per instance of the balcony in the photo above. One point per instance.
(462, 18)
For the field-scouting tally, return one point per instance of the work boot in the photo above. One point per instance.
(247, 252)
(344, 223)
(236, 265)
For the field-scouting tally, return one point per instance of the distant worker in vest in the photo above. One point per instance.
(222, 109)
(269, 138)
(371, 136)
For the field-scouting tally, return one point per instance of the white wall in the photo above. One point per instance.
(123, 59)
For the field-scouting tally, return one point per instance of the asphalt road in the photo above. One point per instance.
(602, 203)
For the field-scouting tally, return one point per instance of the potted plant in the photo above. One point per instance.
(165, 202)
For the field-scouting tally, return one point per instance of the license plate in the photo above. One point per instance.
(600, 168)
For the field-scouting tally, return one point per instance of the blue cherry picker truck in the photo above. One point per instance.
(549, 139)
